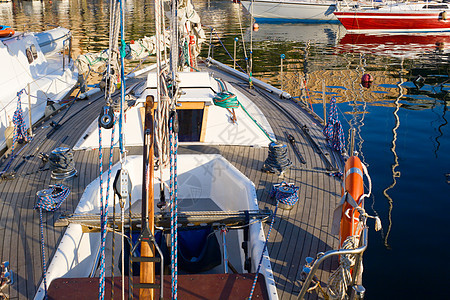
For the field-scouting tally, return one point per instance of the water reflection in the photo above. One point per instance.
(395, 174)
(409, 46)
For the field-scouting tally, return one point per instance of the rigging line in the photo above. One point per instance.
(242, 32)
(250, 71)
(226, 50)
(122, 80)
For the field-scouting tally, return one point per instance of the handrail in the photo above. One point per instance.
(359, 251)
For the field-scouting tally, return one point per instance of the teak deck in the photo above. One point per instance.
(297, 233)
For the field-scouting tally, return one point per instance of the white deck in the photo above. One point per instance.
(45, 76)
(196, 87)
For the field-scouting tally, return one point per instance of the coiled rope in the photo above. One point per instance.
(287, 201)
(49, 199)
(228, 100)
(342, 276)
(277, 160)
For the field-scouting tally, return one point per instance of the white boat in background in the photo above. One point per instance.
(303, 11)
(36, 65)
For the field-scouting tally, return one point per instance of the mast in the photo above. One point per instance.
(147, 269)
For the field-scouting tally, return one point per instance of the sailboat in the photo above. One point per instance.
(209, 198)
(37, 73)
(420, 16)
(175, 172)
(304, 11)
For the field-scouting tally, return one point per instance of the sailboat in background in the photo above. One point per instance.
(302, 11)
(37, 73)
(423, 16)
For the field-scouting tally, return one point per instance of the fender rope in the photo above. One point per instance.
(49, 199)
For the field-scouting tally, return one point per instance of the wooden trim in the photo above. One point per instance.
(187, 105)
(204, 120)
(191, 105)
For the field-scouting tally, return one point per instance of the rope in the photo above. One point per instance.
(49, 199)
(104, 208)
(173, 206)
(287, 201)
(226, 100)
(61, 163)
(225, 252)
(277, 160)
(333, 130)
(341, 277)
(227, 50)
(20, 132)
(229, 101)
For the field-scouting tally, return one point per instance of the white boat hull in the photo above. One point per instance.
(200, 177)
(45, 77)
(292, 11)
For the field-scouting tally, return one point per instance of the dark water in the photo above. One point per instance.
(401, 129)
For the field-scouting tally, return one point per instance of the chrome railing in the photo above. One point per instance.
(358, 291)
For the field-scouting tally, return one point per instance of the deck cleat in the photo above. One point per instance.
(359, 291)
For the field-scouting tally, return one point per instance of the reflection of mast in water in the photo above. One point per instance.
(357, 121)
(395, 174)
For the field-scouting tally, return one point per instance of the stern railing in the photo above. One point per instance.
(358, 290)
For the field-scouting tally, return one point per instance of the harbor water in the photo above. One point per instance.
(400, 118)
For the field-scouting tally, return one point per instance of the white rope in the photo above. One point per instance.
(363, 212)
(113, 50)
(341, 277)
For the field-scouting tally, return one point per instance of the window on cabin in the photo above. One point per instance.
(437, 6)
(29, 55)
(34, 51)
(190, 121)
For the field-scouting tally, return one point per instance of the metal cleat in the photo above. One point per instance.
(359, 292)
(309, 261)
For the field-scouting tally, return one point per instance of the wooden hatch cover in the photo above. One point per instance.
(190, 287)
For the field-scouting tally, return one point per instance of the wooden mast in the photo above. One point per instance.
(147, 269)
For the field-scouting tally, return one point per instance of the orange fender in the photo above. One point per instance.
(353, 184)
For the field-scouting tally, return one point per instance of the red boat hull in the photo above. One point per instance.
(398, 21)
